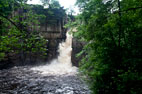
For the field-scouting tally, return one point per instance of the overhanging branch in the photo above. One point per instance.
(11, 22)
(129, 9)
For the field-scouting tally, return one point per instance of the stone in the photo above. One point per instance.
(23, 80)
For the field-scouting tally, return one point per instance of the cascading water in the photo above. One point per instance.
(59, 77)
(61, 65)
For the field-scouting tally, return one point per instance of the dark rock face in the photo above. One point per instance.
(77, 46)
(23, 80)
(53, 43)
(51, 28)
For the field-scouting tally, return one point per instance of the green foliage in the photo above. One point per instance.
(51, 15)
(45, 2)
(51, 3)
(54, 4)
(19, 33)
(113, 36)
(5, 5)
(54, 15)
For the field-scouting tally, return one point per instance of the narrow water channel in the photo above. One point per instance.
(58, 77)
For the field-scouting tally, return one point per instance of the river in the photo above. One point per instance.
(58, 77)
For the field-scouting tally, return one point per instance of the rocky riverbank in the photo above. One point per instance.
(24, 80)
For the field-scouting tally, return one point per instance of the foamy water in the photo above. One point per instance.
(62, 64)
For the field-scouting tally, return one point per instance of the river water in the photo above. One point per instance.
(62, 64)
(58, 77)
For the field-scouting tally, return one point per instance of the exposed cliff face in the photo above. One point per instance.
(50, 27)
(77, 46)
(54, 32)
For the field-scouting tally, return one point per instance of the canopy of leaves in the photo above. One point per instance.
(112, 30)
(51, 3)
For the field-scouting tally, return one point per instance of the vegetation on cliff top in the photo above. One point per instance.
(20, 24)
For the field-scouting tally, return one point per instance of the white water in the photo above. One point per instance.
(61, 65)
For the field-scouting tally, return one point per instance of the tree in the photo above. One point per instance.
(19, 33)
(51, 3)
(112, 32)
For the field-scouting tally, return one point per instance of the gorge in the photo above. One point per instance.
(58, 77)
(27, 72)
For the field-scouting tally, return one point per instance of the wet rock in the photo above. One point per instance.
(23, 80)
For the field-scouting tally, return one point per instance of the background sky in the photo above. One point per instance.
(66, 3)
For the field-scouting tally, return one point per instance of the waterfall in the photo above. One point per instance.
(62, 64)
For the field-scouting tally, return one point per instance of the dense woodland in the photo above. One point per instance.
(111, 29)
